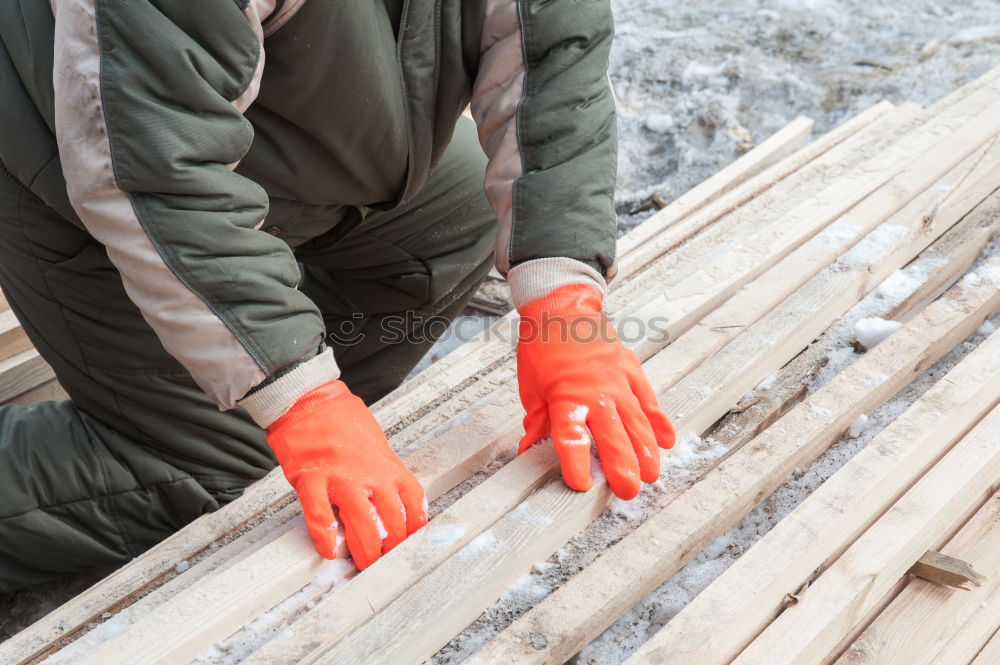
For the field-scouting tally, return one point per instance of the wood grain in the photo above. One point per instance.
(806, 632)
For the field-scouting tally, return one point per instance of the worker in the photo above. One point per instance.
(213, 214)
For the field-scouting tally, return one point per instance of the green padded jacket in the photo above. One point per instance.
(165, 127)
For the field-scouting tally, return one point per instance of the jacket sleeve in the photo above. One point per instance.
(546, 118)
(149, 96)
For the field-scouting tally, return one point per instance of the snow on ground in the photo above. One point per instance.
(698, 83)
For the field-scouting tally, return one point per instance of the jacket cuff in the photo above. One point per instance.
(272, 401)
(535, 279)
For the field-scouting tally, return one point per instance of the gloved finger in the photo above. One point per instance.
(411, 493)
(572, 440)
(662, 427)
(361, 527)
(619, 460)
(640, 434)
(393, 515)
(536, 425)
(318, 514)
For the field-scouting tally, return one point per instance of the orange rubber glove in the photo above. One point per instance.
(575, 374)
(334, 453)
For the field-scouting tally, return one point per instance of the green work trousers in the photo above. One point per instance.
(140, 451)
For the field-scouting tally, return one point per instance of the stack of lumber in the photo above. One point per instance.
(746, 270)
(24, 376)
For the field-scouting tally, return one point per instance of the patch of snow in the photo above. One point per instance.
(542, 567)
(767, 383)
(688, 451)
(441, 536)
(817, 411)
(874, 246)
(527, 513)
(629, 510)
(873, 330)
(90, 641)
(333, 571)
(583, 434)
(526, 587)
(859, 425)
(899, 285)
(838, 234)
(484, 541)
(876, 378)
(991, 273)
(383, 533)
(660, 122)
(979, 33)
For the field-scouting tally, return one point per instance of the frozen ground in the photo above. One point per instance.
(697, 84)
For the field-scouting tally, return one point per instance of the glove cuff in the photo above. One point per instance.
(533, 280)
(272, 401)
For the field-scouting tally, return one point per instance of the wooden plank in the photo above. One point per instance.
(594, 598)
(669, 268)
(947, 571)
(279, 649)
(275, 483)
(916, 217)
(348, 608)
(50, 390)
(740, 603)
(990, 654)
(444, 596)
(196, 629)
(951, 197)
(924, 617)
(12, 337)
(144, 574)
(807, 631)
(883, 202)
(21, 373)
(956, 252)
(975, 633)
(192, 573)
(774, 148)
(437, 611)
